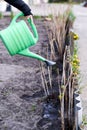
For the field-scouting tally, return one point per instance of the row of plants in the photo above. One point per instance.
(70, 1)
(61, 80)
(55, 1)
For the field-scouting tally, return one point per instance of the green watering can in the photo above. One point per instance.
(18, 38)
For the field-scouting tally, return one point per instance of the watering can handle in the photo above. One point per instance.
(33, 27)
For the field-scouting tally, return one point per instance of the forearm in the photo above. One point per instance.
(21, 5)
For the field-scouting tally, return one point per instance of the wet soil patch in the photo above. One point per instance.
(50, 115)
(51, 107)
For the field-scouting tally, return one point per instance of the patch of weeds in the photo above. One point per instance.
(1, 15)
(84, 123)
(33, 107)
(57, 1)
(71, 16)
(50, 16)
(84, 120)
(37, 17)
(12, 15)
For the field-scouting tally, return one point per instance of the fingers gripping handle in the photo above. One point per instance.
(33, 27)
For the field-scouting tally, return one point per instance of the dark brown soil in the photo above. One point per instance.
(21, 91)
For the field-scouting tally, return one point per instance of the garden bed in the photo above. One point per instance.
(21, 91)
(22, 98)
(24, 102)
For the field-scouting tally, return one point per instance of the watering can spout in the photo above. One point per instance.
(28, 53)
(50, 63)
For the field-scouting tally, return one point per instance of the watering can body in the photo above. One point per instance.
(17, 38)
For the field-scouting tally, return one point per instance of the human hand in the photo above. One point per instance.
(30, 17)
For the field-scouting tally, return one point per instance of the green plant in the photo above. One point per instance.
(33, 107)
(12, 14)
(84, 120)
(71, 16)
(57, 1)
(37, 17)
(1, 15)
(75, 61)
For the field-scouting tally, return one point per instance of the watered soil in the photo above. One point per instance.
(21, 92)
